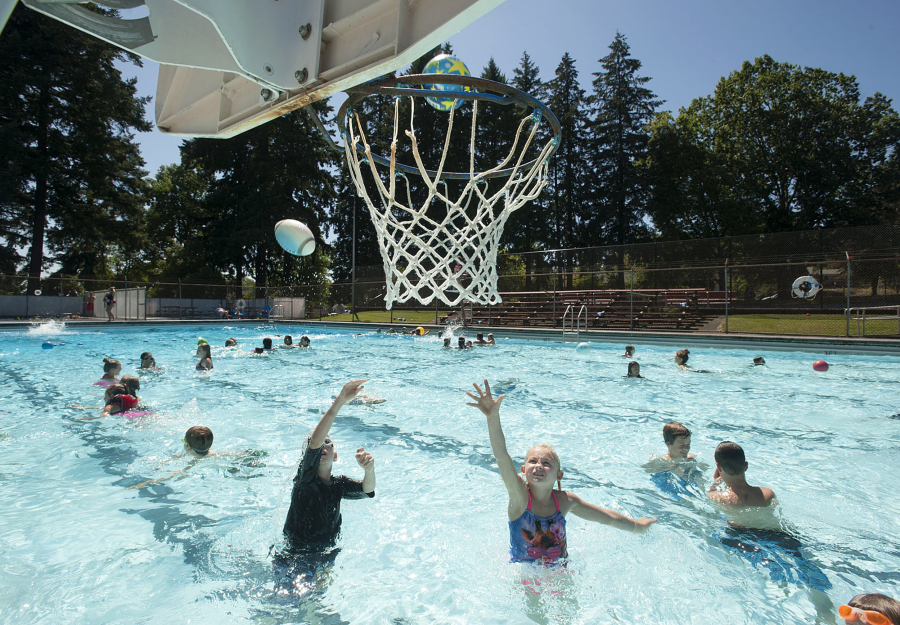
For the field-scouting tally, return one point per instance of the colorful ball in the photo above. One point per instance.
(583, 348)
(820, 365)
(446, 64)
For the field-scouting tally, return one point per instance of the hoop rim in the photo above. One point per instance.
(487, 90)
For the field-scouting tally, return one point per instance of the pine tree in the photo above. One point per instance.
(73, 177)
(621, 107)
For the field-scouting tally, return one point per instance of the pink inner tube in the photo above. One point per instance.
(131, 414)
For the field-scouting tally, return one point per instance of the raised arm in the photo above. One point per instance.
(490, 407)
(590, 512)
(350, 390)
(366, 461)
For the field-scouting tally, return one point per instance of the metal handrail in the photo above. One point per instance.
(565, 314)
(583, 310)
(861, 316)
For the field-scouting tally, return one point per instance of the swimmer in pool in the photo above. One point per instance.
(447, 344)
(204, 353)
(111, 370)
(197, 442)
(147, 361)
(634, 370)
(231, 342)
(304, 341)
(479, 340)
(871, 608)
(537, 524)
(629, 351)
(731, 487)
(681, 358)
(267, 343)
(288, 341)
(491, 341)
(118, 399)
(314, 519)
(758, 360)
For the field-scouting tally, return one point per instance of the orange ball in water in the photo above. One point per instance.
(820, 365)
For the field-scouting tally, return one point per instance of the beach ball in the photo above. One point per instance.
(820, 365)
(583, 348)
(446, 64)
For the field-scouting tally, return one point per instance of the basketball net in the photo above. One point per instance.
(452, 257)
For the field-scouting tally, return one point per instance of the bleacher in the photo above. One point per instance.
(652, 309)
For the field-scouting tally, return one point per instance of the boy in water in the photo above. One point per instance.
(678, 441)
(314, 518)
(731, 487)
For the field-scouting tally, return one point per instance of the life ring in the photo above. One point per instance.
(805, 287)
(240, 304)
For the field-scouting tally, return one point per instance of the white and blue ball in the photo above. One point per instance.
(295, 237)
(583, 348)
(446, 64)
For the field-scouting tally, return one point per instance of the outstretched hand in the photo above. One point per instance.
(365, 459)
(351, 389)
(643, 524)
(485, 402)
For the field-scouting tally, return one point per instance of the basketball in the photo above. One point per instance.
(446, 64)
(295, 237)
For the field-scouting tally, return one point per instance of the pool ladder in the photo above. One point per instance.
(575, 319)
(277, 312)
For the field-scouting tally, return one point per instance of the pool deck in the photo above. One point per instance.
(826, 345)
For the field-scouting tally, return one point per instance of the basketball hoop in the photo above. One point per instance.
(450, 254)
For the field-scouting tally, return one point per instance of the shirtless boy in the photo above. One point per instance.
(731, 487)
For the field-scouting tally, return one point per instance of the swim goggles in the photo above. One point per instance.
(852, 615)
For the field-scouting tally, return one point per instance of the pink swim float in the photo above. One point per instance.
(131, 414)
(820, 365)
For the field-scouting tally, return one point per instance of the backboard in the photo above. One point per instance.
(228, 66)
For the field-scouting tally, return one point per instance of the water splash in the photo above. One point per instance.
(47, 328)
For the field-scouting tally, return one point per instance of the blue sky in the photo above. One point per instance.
(685, 47)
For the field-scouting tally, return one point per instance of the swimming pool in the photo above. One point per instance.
(77, 545)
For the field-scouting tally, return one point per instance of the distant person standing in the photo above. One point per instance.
(89, 304)
(110, 302)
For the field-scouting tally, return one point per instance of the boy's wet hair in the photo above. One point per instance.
(479, 336)
(759, 360)
(111, 365)
(730, 456)
(199, 438)
(876, 602)
(267, 343)
(288, 340)
(131, 383)
(683, 354)
(673, 430)
(231, 342)
(629, 349)
(258, 350)
(146, 356)
(304, 339)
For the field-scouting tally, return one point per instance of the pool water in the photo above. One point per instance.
(78, 545)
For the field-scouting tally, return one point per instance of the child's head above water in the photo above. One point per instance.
(113, 390)
(231, 342)
(634, 369)
(677, 439)
(131, 383)
(198, 440)
(111, 366)
(629, 350)
(682, 356)
(875, 604)
(304, 341)
(267, 343)
(730, 458)
(542, 462)
(288, 339)
(203, 349)
(759, 360)
(147, 361)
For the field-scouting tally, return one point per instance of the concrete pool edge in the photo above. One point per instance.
(826, 344)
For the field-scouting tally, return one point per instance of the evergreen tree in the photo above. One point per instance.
(72, 176)
(622, 107)
(568, 175)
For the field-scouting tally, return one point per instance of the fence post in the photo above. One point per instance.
(847, 313)
(631, 312)
(726, 293)
(60, 293)
(554, 301)
(179, 298)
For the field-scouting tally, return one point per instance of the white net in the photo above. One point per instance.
(451, 254)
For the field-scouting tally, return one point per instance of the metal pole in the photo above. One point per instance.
(179, 298)
(726, 294)
(60, 293)
(353, 269)
(554, 302)
(126, 298)
(631, 311)
(847, 314)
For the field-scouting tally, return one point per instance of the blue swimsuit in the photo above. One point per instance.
(532, 538)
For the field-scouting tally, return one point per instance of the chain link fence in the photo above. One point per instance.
(737, 285)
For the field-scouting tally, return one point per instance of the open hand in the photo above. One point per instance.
(351, 389)
(485, 402)
(643, 524)
(365, 459)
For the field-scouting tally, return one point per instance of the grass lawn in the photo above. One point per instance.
(412, 317)
(822, 325)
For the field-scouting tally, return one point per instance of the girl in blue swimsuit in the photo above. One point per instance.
(537, 513)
